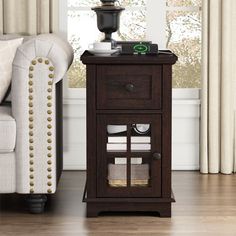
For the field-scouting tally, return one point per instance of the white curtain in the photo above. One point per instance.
(29, 16)
(218, 129)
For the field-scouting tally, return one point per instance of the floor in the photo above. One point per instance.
(205, 205)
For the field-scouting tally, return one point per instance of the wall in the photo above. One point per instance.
(185, 137)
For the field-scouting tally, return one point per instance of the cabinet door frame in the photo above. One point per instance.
(154, 190)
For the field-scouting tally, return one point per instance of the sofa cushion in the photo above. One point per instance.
(10, 37)
(7, 53)
(7, 173)
(7, 130)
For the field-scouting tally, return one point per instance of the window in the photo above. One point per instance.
(183, 33)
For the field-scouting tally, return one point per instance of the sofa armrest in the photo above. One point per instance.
(38, 65)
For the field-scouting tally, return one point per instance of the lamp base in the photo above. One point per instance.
(108, 38)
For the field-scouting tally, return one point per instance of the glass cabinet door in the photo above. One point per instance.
(129, 155)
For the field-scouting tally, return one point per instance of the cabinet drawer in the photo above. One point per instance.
(129, 87)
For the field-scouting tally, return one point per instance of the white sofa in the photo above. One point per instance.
(31, 148)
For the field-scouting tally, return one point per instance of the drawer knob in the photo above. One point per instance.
(156, 156)
(129, 87)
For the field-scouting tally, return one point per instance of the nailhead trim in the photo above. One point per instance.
(49, 125)
(34, 62)
(50, 78)
(31, 126)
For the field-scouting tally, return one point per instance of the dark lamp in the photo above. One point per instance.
(108, 18)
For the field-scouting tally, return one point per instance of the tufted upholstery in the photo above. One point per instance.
(49, 46)
(39, 64)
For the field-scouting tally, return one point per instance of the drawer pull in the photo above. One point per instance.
(129, 87)
(156, 156)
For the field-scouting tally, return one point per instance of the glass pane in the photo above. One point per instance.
(117, 138)
(139, 172)
(141, 138)
(183, 3)
(132, 26)
(129, 170)
(77, 75)
(184, 39)
(117, 172)
(80, 37)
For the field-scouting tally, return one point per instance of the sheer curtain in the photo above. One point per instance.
(29, 16)
(218, 129)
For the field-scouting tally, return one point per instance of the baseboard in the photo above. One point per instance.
(74, 167)
(182, 167)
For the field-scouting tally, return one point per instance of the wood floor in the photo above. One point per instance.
(206, 205)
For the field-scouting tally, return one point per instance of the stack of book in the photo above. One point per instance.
(119, 143)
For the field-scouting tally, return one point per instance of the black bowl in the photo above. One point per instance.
(108, 21)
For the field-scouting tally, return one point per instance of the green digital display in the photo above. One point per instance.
(141, 48)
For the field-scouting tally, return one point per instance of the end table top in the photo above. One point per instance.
(164, 57)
